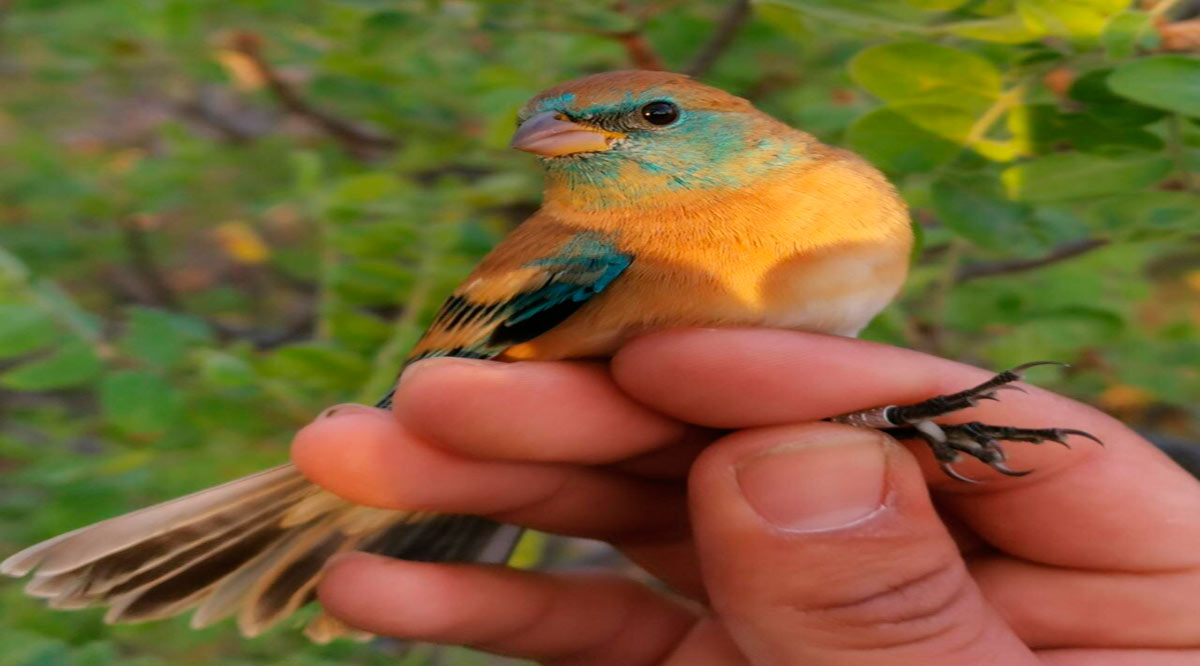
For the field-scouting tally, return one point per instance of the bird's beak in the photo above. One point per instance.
(550, 134)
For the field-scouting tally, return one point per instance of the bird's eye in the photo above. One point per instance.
(660, 113)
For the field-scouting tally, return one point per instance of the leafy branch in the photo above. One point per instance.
(354, 138)
(727, 28)
(970, 272)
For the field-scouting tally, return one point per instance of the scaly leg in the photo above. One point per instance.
(948, 442)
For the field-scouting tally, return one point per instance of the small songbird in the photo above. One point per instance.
(667, 203)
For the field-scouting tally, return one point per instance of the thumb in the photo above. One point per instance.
(819, 545)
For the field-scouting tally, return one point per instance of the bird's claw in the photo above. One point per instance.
(1008, 471)
(982, 442)
(978, 440)
(948, 468)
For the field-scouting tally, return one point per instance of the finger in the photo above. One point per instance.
(1124, 506)
(552, 412)
(1052, 606)
(366, 456)
(1075, 657)
(820, 544)
(552, 618)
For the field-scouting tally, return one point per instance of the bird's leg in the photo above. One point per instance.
(948, 442)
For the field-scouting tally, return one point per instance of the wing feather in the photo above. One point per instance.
(499, 308)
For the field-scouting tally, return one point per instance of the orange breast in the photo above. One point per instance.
(822, 249)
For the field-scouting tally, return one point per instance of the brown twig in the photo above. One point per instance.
(356, 139)
(151, 288)
(975, 271)
(640, 52)
(727, 28)
(228, 128)
(141, 258)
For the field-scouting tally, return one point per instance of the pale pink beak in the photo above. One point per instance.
(550, 134)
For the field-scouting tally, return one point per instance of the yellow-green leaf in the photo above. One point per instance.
(1079, 19)
(1009, 29)
(911, 71)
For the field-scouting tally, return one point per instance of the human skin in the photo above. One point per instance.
(700, 455)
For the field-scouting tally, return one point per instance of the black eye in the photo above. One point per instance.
(660, 113)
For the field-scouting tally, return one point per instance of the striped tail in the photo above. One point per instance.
(252, 547)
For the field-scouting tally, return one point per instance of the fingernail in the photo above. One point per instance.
(830, 482)
(346, 409)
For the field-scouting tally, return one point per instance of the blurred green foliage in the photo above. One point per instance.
(217, 218)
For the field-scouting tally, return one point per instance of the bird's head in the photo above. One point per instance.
(631, 135)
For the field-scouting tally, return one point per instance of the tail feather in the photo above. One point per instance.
(253, 547)
(88, 544)
(231, 593)
(287, 585)
(141, 563)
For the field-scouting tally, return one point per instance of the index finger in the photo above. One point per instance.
(1125, 506)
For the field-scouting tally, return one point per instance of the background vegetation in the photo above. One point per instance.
(217, 218)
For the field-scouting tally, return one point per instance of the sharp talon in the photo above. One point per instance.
(1011, 387)
(1081, 433)
(952, 473)
(1004, 469)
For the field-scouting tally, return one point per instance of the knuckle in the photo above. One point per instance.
(927, 605)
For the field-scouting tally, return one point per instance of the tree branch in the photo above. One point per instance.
(141, 258)
(974, 271)
(727, 28)
(640, 52)
(356, 139)
(152, 288)
(228, 128)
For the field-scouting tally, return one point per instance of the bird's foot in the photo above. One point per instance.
(949, 442)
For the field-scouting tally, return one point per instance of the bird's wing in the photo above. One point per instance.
(253, 547)
(498, 308)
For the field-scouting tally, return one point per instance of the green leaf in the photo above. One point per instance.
(71, 365)
(306, 172)
(786, 20)
(1110, 108)
(876, 16)
(364, 188)
(24, 329)
(937, 5)
(1125, 32)
(1065, 176)
(1041, 128)
(373, 281)
(1008, 29)
(946, 122)
(225, 370)
(318, 365)
(159, 337)
(896, 144)
(977, 210)
(1142, 212)
(910, 71)
(138, 403)
(1079, 19)
(1170, 82)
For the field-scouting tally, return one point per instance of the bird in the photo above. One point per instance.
(667, 203)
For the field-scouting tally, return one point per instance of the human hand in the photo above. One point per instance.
(804, 542)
